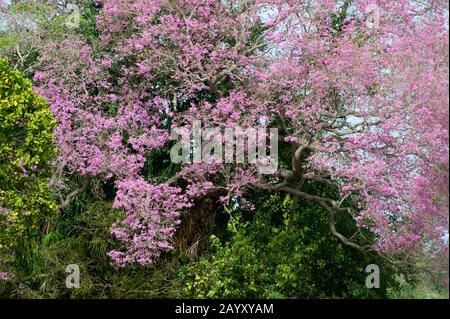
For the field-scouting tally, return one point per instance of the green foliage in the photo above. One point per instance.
(86, 245)
(26, 128)
(283, 250)
(423, 287)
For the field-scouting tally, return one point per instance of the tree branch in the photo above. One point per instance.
(75, 193)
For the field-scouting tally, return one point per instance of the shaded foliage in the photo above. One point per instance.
(26, 146)
(283, 250)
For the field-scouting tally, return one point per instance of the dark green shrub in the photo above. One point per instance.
(283, 250)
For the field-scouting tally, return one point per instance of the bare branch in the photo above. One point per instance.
(75, 193)
(325, 203)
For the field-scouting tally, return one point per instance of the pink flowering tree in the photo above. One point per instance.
(357, 89)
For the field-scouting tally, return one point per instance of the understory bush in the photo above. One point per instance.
(283, 250)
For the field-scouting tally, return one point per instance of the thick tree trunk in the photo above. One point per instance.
(196, 227)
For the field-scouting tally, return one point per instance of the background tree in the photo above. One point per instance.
(283, 250)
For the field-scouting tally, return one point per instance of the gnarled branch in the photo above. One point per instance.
(75, 193)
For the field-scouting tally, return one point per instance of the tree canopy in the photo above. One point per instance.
(356, 89)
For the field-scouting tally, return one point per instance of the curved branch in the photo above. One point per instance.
(325, 203)
(57, 175)
(75, 193)
(307, 196)
(297, 158)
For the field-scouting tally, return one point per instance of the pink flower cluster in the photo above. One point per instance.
(152, 213)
